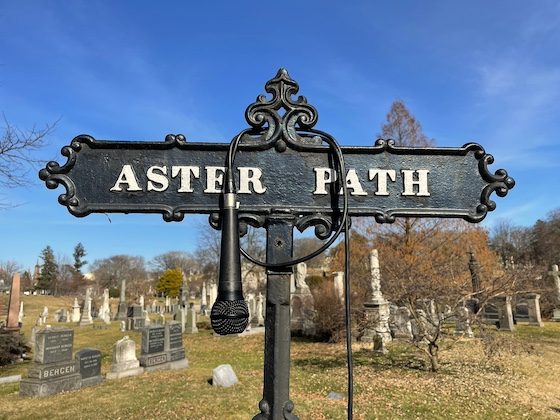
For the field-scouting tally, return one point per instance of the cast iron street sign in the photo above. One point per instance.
(291, 172)
(285, 178)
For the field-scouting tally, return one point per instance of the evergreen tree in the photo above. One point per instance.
(49, 270)
(170, 282)
(79, 253)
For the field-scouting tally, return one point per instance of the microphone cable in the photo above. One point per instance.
(343, 226)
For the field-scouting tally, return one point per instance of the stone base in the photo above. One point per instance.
(87, 321)
(125, 373)
(122, 312)
(154, 361)
(179, 364)
(94, 380)
(33, 387)
(556, 315)
(536, 323)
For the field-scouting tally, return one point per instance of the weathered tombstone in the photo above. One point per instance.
(260, 309)
(76, 313)
(338, 282)
(174, 346)
(190, 326)
(105, 310)
(180, 316)
(89, 365)
(122, 326)
(125, 362)
(376, 309)
(505, 314)
(400, 323)
(21, 314)
(12, 323)
(147, 320)
(463, 323)
(53, 370)
(224, 376)
(167, 304)
(532, 301)
(45, 315)
(387, 181)
(491, 313)
(135, 318)
(555, 274)
(153, 355)
(303, 305)
(212, 294)
(203, 300)
(122, 308)
(62, 315)
(86, 318)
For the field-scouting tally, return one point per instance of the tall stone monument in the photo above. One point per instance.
(376, 309)
(303, 304)
(76, 312)
(86, 318)
(105, 310)
(338, 282)
(122, 309)
(12, 323)
(203, 300)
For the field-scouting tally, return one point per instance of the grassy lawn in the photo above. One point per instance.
(520, 383)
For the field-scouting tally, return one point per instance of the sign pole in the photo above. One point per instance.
(276, 403)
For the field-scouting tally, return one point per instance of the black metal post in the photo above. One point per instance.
(276, 404)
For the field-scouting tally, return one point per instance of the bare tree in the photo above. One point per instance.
(110, 271)
(172, 260)
(17, 148)
(7, 270)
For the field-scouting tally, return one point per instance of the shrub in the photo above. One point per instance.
(12, 347)
(329, 318)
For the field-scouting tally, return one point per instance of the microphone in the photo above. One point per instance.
(230, 314)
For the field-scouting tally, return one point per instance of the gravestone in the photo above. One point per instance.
(463, 323)
(141, 301)
(153, 355)
(180, 316)
(12, 322)
(86, 318)
(76, 313)
(174, 346)
(21, 314)
(532, 302)
(376, 309)
(53, 370)
(399, 322)
(212, 294)
(505, 314)
(190, 326)
(338, 282)
(105, 310)
(303, 305)
(203, 300)
(224, 376)
(135, 319)
(260, 310)
(125, 362)
(61, 315)
(45, 315)
(89, 365)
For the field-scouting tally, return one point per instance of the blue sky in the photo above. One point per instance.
(469, 71)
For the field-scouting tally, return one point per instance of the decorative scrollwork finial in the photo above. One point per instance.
(279, 118)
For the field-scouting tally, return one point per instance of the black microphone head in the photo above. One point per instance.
(229, 316)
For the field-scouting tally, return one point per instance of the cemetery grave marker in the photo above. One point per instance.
(53, 369)
(176, 177)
